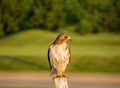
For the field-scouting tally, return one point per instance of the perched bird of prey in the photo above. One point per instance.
(59, 55)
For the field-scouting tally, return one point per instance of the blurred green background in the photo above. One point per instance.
(28, 27)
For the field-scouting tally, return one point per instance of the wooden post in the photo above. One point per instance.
(60, 82)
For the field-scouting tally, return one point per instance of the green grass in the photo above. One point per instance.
(27, 51)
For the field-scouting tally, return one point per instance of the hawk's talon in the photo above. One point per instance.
(59, 76)
(63, 75)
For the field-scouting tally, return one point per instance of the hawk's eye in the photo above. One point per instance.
(65, 36)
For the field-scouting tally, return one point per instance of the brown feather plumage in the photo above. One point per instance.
(59, 55)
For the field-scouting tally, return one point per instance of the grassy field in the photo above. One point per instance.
(27, 51)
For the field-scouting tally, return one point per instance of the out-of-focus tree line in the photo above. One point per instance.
(85, 16)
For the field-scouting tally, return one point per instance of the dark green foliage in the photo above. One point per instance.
(86, 16)
(12, 13)
(84, 27)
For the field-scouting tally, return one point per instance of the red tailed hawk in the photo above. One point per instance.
(59, 55)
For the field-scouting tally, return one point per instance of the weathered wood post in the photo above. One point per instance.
(60, 82)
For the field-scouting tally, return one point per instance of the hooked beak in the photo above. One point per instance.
(69, 38)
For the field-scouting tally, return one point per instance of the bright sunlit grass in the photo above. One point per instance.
(27, 51)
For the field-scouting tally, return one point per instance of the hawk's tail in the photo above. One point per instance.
(53, 71)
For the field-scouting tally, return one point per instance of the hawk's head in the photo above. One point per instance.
(62, 38)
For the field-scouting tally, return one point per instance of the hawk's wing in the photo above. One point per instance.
(49, 58)
(69, 53)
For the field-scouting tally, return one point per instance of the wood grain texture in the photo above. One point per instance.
(61, 82)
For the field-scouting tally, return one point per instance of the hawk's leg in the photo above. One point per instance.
(63, 74)
(57, 76)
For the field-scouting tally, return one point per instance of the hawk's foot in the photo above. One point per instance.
(58, 76)
(63, 75)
